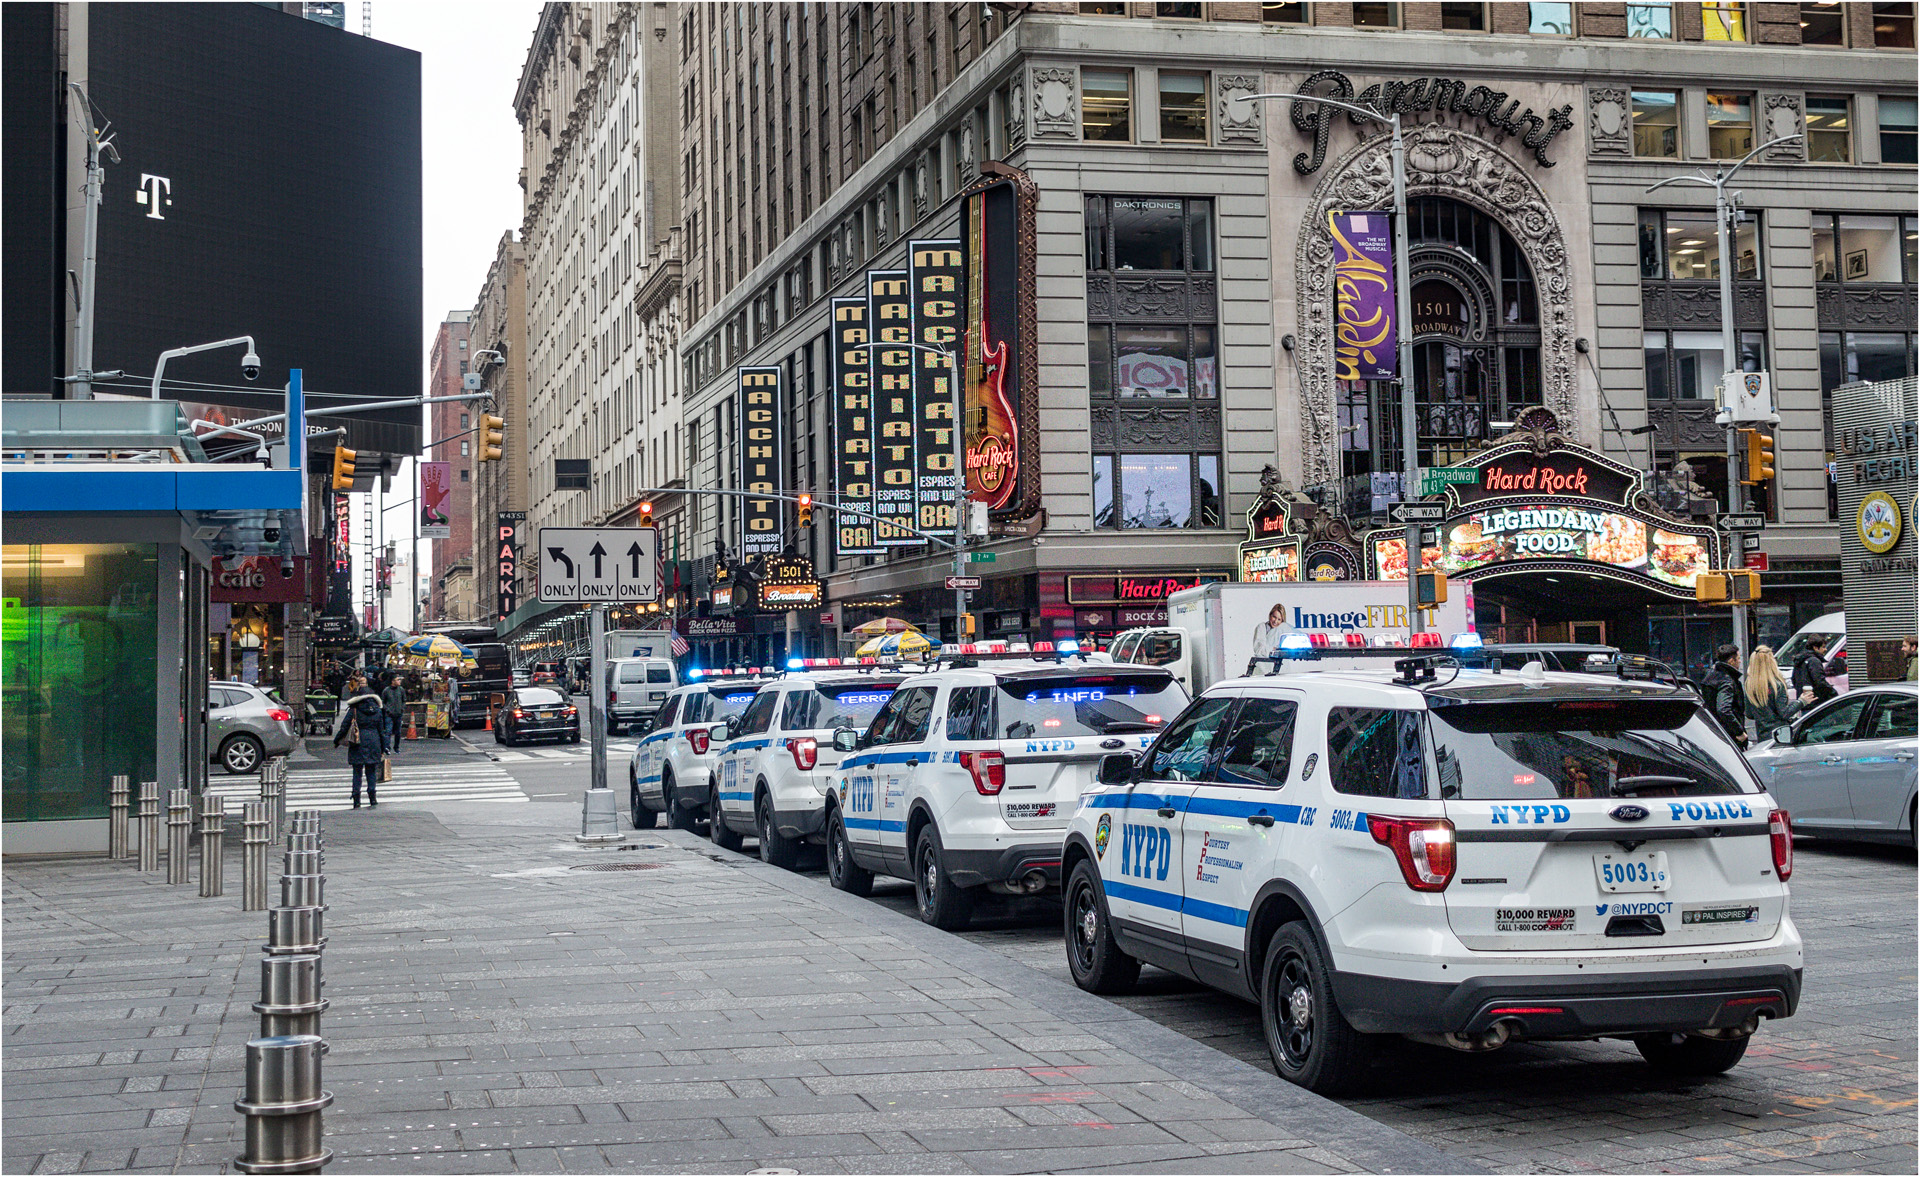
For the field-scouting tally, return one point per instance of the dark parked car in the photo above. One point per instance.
(546, 672)
(537, 713)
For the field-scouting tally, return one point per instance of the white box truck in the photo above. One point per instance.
(1212, 630)
(639, 643)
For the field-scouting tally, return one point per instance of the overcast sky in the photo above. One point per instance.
(470, 59)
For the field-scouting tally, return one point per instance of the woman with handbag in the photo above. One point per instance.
(1770, 703)
(363, 731)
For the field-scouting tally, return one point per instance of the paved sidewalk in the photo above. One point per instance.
(672, 1008)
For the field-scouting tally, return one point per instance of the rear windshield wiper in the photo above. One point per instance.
(1627, 785)
(1130, 725)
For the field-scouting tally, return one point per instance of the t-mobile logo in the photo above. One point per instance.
(154, 192)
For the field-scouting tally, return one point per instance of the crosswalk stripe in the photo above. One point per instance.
(332, 788)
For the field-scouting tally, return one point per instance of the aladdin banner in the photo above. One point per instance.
(1363, 290)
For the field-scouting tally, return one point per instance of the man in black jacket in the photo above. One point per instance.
(1724, 698)
(1810, 673)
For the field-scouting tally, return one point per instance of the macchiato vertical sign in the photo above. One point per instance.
(1363, 346)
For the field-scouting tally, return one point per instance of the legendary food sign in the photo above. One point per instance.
(1271, 551)
(1442, 96)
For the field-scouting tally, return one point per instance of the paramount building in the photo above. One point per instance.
(1153, 254)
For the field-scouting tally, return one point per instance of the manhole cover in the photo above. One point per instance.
(613, 866)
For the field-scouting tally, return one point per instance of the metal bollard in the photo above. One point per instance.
(290, 1001)
(294, 931)
(298, 843)
(303, 891)
(179, 829)
(213, 828)
(253, 863)
(117, 831)
(282, 1104)
(300, 862)
(149, 825)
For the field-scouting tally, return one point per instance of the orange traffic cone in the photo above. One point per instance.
(413, 733)
(489, 726)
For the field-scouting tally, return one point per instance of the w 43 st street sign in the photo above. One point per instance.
(599, 565)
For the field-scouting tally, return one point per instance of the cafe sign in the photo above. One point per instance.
(1271, 551)
(1134, 590)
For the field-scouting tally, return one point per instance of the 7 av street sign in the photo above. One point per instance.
(1419, 512)
(599, 565)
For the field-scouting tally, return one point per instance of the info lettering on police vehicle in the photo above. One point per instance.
(599, 565)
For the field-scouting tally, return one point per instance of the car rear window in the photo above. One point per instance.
(1583, 748)
(631, 672)
(1085, 705)
(539, 697)
(659, 674)
(718, 702)
(834, 706)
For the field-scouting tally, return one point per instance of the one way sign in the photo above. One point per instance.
(599, 565)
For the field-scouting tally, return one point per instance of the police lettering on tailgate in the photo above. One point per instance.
(1709, 810)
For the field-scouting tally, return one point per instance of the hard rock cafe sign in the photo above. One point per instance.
(1441, 96)
(1001, 364)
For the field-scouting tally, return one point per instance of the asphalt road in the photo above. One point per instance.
(1831, 1089)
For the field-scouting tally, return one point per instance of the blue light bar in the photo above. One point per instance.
(1466, 641)
(796, 664)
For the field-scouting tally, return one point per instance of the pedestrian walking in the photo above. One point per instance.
(1769, 702)
(393, 702)
(1810, 673)
(1910, 650)
(1724, 698)
(363, 731)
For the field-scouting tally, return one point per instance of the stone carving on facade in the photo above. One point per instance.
(1839, 307)
(1686, 425)
(969, 158)
(1441, 161)
(1056, 104)
(1609, 121)
(1016, 114)
(920, 188)
(1237, 122)
(1135, 425)
(1698, 305)
(1783, 118)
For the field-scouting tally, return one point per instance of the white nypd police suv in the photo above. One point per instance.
(1464, 857)
(671, 768)
(968, 776)
(771, 775)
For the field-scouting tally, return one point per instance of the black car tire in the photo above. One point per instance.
(643, 818)
(575, 737)
(776, 849)
(679, 817)
(498, 736)
(842, 871)
(1311, 1041)
(242, 754)
(1683, 1054)
(722, 835)
(939, 900)
(1094, 958)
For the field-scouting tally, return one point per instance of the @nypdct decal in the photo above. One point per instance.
(1101, 834)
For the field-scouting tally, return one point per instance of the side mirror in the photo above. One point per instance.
(846, 739)
(1117, 768)
(1783, 734)
(720, 732)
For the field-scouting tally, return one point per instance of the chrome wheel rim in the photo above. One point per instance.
(1293, 1011)
(1085, 925)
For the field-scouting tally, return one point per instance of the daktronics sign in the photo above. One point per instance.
(1134, 590)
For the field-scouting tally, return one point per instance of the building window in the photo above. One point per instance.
(464, 450)
(463, 420)
(1106, 105)
(1376, 16)
(1723, 22)
(463, 345)
(1652, 21)
(1729, 125)
(1863, 249)
(1463, 18)
(1823, 24)
(1550, 20)
(1183, 107)
(1149, 233)
(1686, 365)
(1177, 11)
(1893, 26)
(1112, 8)
(1656, 124)
(1899, 134)
(1284, 14)
(466, 476)
(1156, 490)
(1829, 130)
(1683, 244)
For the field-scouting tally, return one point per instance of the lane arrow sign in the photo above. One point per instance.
(560, 554)
(633, 552)
(598, 553)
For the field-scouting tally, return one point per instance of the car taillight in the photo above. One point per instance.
(988, 770)
(279, 716)
(1423, 846)
(519, 713)
(806, 751)
(697, 736)
(571, 711)
(1780, 834)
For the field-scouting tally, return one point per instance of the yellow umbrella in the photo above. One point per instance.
(897, 645)
(884, 625)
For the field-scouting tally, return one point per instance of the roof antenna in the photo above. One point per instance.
(366, 18)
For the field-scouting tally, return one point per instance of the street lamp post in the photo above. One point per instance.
(1403, 311)
(1726, 206)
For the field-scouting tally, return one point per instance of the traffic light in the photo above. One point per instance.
(806, 511)
(1759, 449)
(1731, 585)
(646, 514)
(493, 433)
(1430, 588)
(343, 459)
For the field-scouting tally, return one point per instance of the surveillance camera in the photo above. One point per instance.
(286, 567)
(270, 534)
(250, 366)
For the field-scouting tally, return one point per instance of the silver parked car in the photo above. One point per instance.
(1846, 768)
(245, 725)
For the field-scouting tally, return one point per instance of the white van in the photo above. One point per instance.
(1833, 627)
(636, 689)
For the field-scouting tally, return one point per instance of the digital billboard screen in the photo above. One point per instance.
(268, 185)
